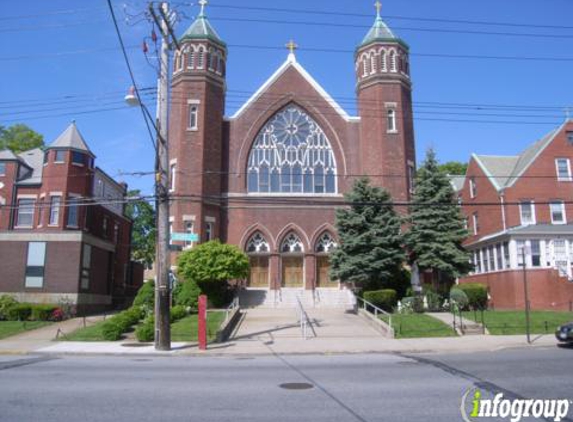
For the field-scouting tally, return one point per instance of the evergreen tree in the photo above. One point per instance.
(370, 253)
(436, 231)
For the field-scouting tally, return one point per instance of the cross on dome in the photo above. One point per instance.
(378, 6)
(203, 3)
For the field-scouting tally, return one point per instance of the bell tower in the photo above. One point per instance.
(384, 91)
(196, 130)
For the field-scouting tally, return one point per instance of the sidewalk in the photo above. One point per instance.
(448, 319)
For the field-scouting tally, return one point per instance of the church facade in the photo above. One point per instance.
(270, 177)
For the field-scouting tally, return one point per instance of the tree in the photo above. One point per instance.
(211, 265)
(455, 168)
(370, 253)
(19, 137)
(143, 231)
(436, 225)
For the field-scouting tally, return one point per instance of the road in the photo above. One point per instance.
(374, 387)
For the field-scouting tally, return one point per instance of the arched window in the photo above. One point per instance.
(392, 120)
(258, 244)
(393, 64)
(291, 154)
(325, 243)
(193, 116)
(212, 61)
(366, 66)
(201, 58)
(292, 244)
(383, 61)
(191, 59)
(373, 62)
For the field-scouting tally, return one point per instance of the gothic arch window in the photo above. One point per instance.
(383, 61)
(393, 64)
(258, 244)
(201, 57)
(291, 154)
(191, 59)
(373, 62)
(325, 243)
(212, 60)
(178, 62)
(292, 244)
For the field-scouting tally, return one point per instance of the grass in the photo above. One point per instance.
(513, 322)
(186, 329)
(11, 328)
(418, 325)
(182, 330)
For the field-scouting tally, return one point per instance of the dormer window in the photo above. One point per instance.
(60, 156)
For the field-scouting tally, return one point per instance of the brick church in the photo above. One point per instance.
(270, 177)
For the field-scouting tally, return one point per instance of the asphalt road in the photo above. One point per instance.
(343, 388)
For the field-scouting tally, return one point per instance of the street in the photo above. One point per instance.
(370, 387)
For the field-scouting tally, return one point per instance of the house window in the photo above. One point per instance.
(208, 231)
(535, 253)
(570, 137)
(193, 117)
(499, 256)
(60, 156)
(2, 169)
(25, 216)
(73, 210)
(491, 259)
(392, 121)
(521, 251)
(188, 230)
(86, 265)
(35, 264)
(473, 188)
(506, 255)
(477, 266)
(527, 212)
(484, 260)
(563, 166)
(173, 174)
(475, 223)
(55, 202)
(78, 158)
(558, 212)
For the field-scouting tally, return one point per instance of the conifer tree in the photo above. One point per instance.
(370, 253)
(436, 226)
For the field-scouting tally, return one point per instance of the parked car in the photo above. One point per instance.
(564, 333)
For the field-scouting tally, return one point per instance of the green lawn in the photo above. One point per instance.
(186, 329)
(418, 325)
(183, 330)
(513, 322)
(11, 328)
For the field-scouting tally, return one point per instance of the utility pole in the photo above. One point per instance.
(526, 294)
(162, 288)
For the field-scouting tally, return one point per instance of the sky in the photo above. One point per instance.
(60, 60)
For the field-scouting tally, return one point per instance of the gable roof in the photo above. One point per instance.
(457, 181)
(292, 62)
(6, 154)
(504, 171)
(34, 159)
(71, 138)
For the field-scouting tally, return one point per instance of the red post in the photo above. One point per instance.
(202, 322)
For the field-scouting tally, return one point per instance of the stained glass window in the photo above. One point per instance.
(325, 243)
(292, 244)
(257, 244)
(291, 154)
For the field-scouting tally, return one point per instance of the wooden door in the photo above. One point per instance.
(322, 277)
(259, 275)
(292, 272)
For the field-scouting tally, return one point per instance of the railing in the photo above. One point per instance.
(305, 322)
(231, 308)
(370, 307)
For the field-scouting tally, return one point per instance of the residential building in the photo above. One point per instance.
(270, 177)
(64, 235)
(521, 208)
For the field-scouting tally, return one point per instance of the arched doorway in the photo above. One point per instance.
(292, 261)
(323, 246)
(258, 250)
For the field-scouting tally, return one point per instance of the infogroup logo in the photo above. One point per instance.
(476, 407)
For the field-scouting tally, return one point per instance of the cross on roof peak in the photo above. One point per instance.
(378, 6)
(203, 3)
(292, 46)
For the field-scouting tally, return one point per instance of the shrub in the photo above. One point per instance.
(476, 294)
(20, 312)
(458, 298)
(385, 299)
(219, 293)
(112, 330)
(6, 303)
(186, 294)
(145, 295)
(434, 301)
(42, 312)
(146, 331)
(413, 304)
(178, 312)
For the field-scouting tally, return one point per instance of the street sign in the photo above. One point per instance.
(184, 237)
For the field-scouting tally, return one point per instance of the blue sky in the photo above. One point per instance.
(40, 78)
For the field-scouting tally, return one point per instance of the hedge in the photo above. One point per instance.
(20, 312)
(146, 331)
(43, 312)
(118, 324)
(476, 293)
(145, 295)
(186, 294)
(385, 299)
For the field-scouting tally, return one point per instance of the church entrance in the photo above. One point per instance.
(292, 274)
(322, 276)
(259, 275)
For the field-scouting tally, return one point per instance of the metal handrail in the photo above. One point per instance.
(234, 305)
(366, 305)
(305, 322)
